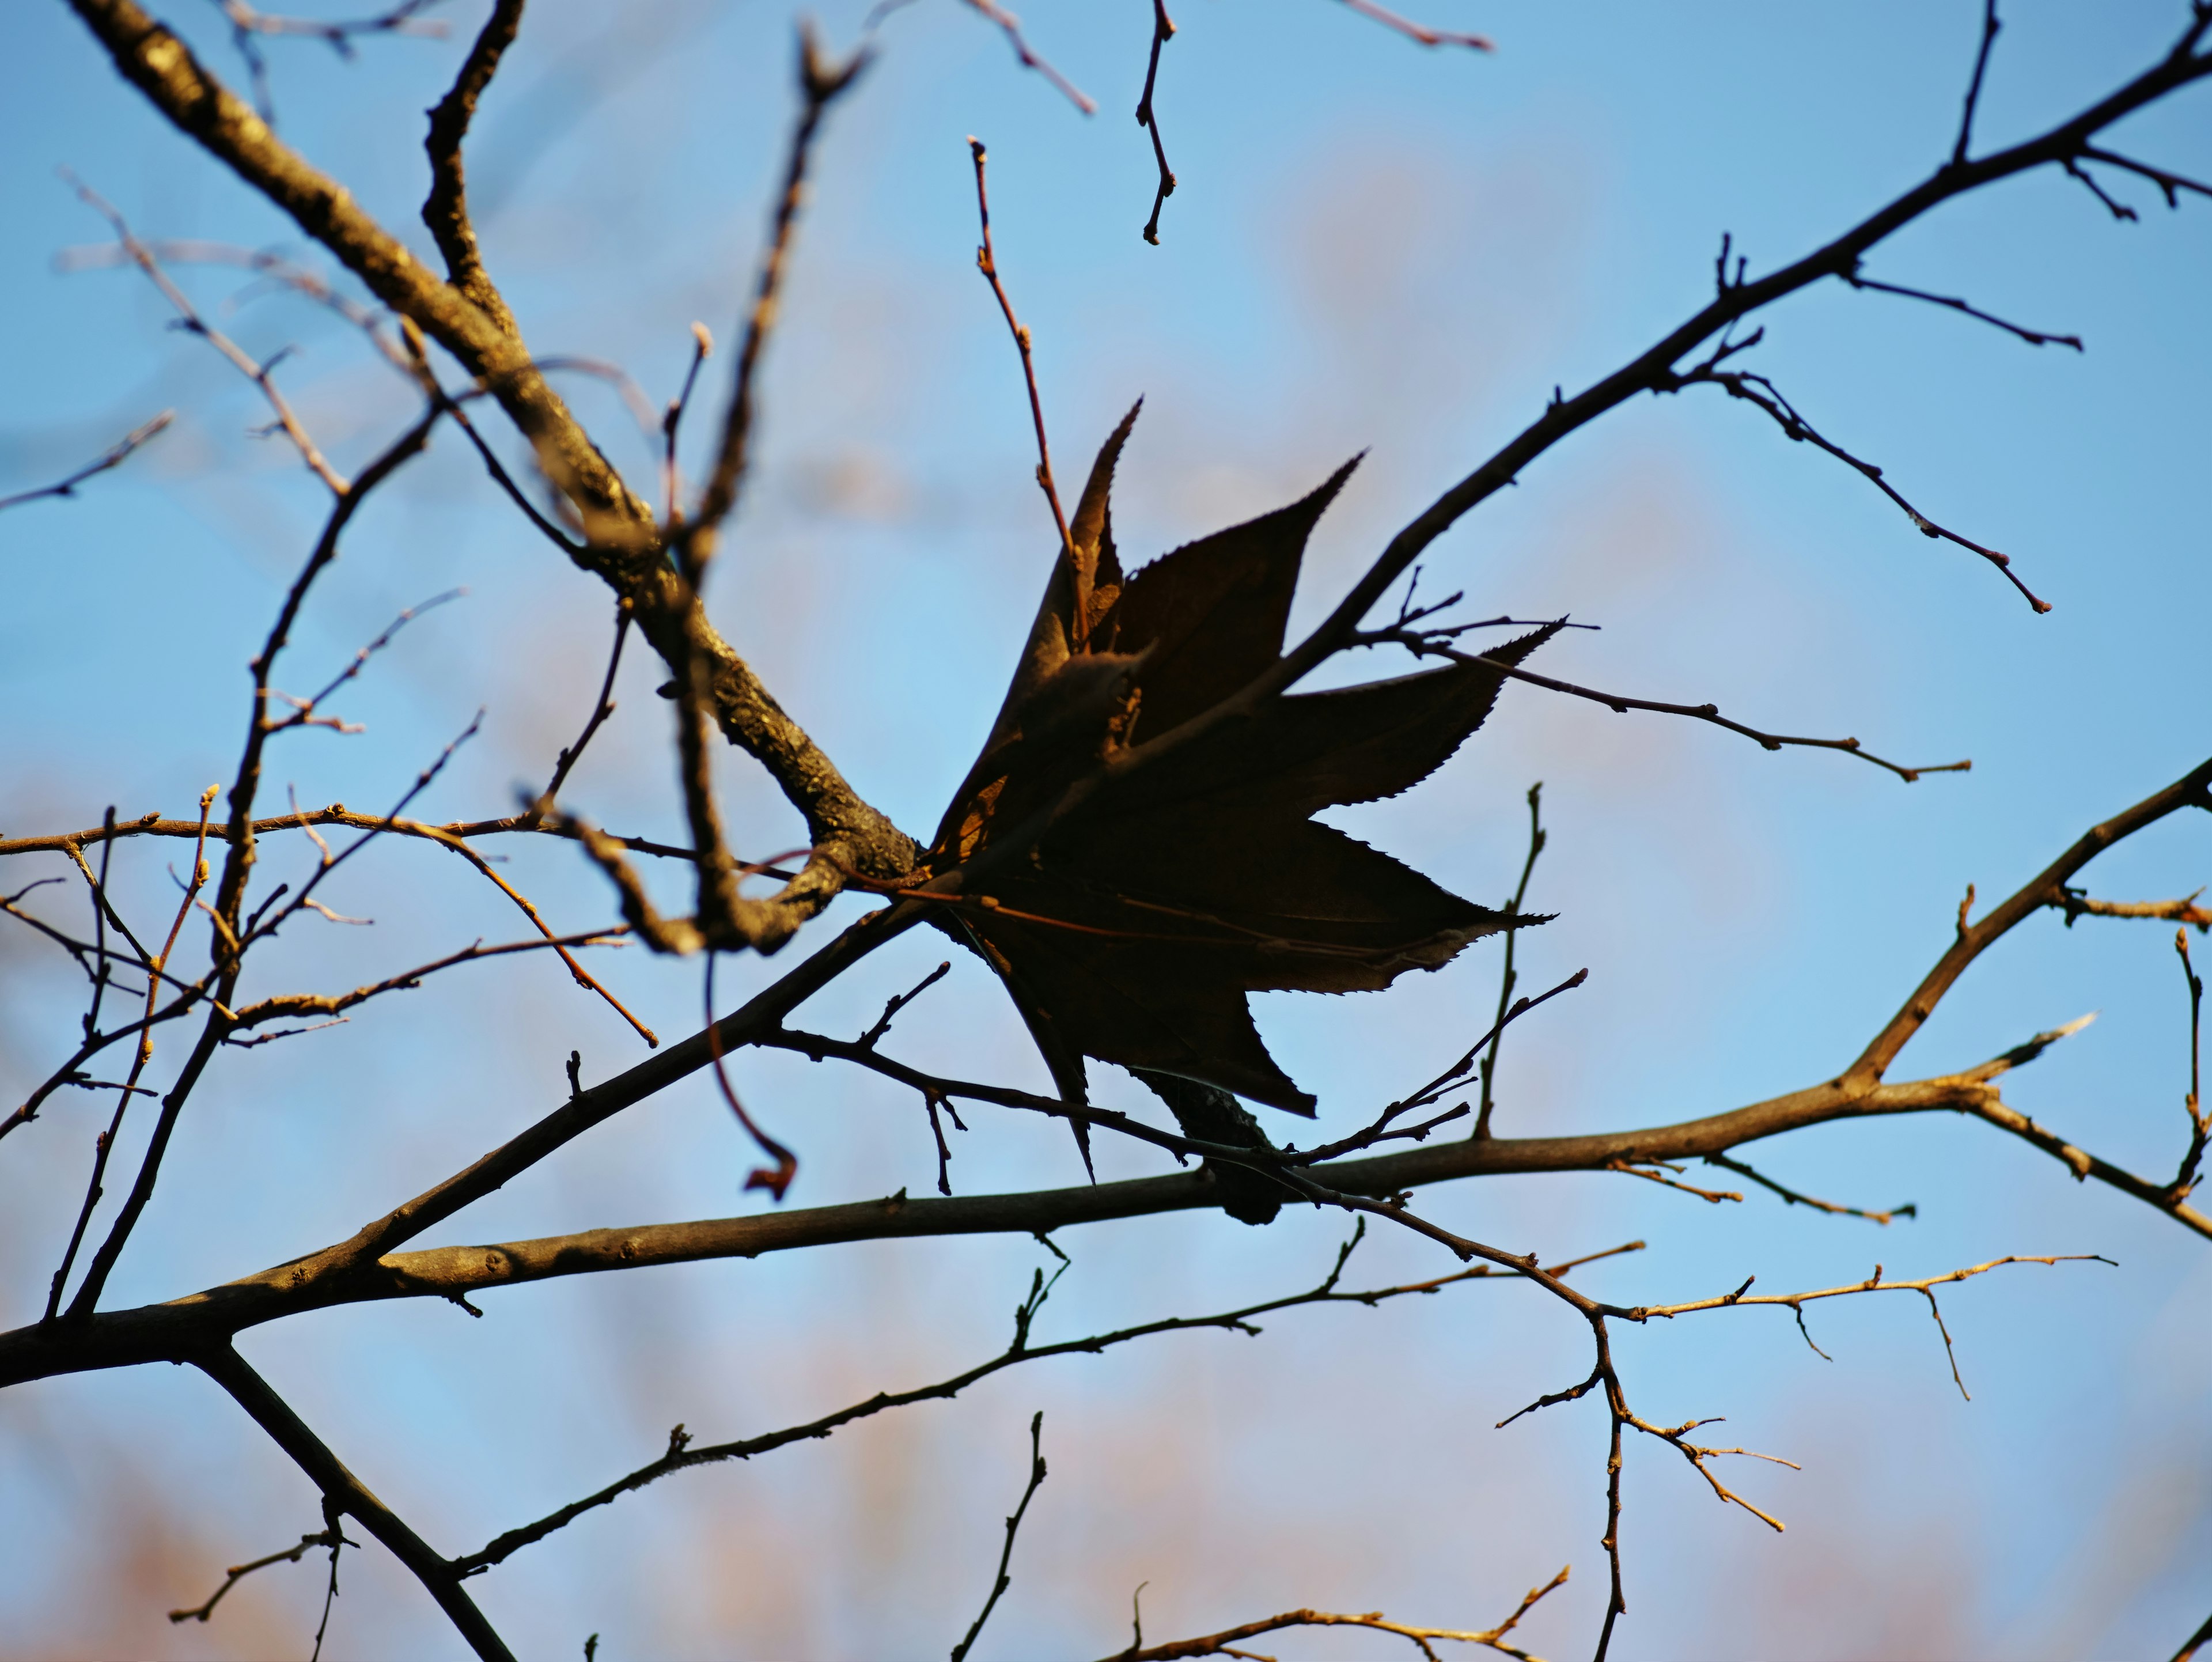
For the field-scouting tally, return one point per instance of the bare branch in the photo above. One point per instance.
(1758, 391)
(821, 83)
(1419, 32)
(1423, 644)
(295, 1006)
(1148, 118)
(986, 263)
(681, 1454)
(2200, 1121)
(445, 210)
(2195, 1643)
(343, 1493)
(2033, 336)
(350, 1271)
(115, 456)
(2191, 790)
(1990, 28)
(1654, 370)
(1222, 1643)
(621, 544)
(1507, 979)
(1926, 1288)
(1011, 26)
(1003, 1580)
(238, 1572)
(602, 708)
(260, 374)
(2075, 903)
(776, 1178)
(274, 268)
(144, 1054)
(1792, 1197)
(2170, 185)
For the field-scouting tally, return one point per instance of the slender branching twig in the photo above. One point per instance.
(115, 456)
(1005, 1579)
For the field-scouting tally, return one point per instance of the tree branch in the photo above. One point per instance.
(344, 1493)
(116, 455)
(624, 543)
(445, 210)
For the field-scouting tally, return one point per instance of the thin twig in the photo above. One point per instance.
(1793, 1197)
(2033, 336)
(1990, 28)
(2170, 185)
(255, 370)
(1874, 1283)
(1763, 394)
(986, 263)
(1224, 1643)
(288, 1007)
(682, 1455)
(344, 1493)
(1003, 1580)
(116, 454)
(336, 813)
(776, 1179)
(820, 81)
(247, 23)
(1507, 978)
(1420, 32)
(1422, 645)
(602, 708)
(303, 709)
(238, 1572)
(2200, 1121)
(2075, 903)
(1011, 26)
(106, 1141)
(272, 267)
(899, 1002)
(1656, 1171)
(671, 421)
(445, 210)
(1148, 118)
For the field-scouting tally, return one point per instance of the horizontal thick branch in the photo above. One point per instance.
(370, 1266)
(161, 1332)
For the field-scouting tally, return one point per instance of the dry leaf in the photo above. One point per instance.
(1134, 929)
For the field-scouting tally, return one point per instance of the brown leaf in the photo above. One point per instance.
(1134, 928)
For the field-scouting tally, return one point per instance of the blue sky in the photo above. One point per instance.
(1370, 246)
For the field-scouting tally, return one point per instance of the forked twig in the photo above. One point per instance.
(1762, 393)
(238, 1572)
(1423, 644)
(1224, 1643)
(259, 372)
(682, 1455)
(104, 1142)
